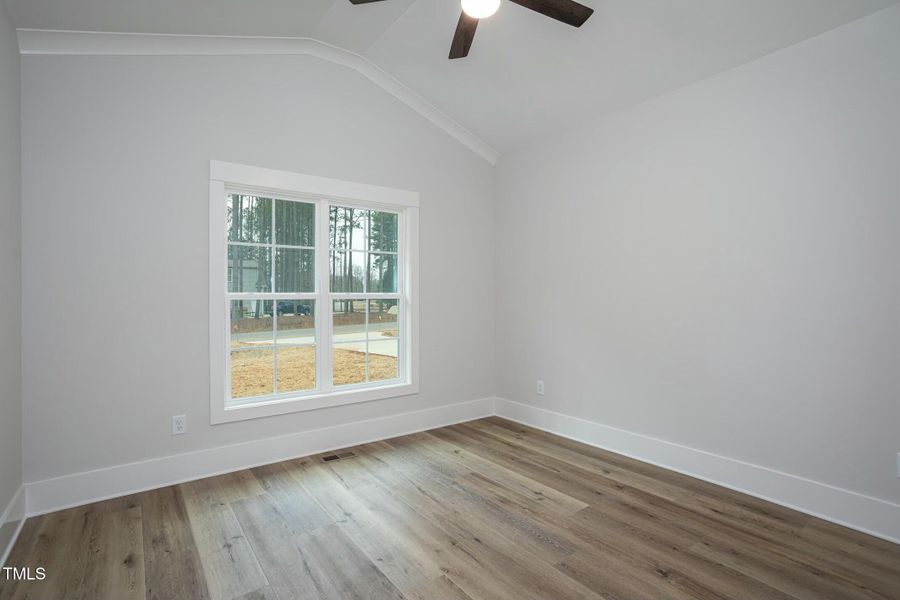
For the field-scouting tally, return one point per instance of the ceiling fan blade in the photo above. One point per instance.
(462, 39)
(567, 11)
(363, 1)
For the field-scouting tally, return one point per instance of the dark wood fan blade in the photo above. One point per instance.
(462, 39)
(567, 11)
(363, 1)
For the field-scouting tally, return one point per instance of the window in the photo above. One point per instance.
(312, 292)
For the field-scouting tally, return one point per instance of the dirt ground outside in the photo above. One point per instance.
(252, 372)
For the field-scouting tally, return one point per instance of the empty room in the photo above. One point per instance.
(449, 300)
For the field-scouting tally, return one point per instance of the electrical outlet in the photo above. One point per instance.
(540, 387)
(179, 424)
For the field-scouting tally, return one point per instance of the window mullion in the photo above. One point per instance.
(403, 290)
(367, 337)
(365, 281)
(272, 261)
(324, 319)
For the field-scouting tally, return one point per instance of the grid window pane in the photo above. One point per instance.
(382, 359)
(252, 372)
(249, 269)
(382, 273)
(251, 323)
(349, 363)
(296, 322)
(382, 231)
(349, 320)
(249, 219)
(295, 270)
(296, 368)
(295, 223)
(347, 272)
(383, 319)
(347, 228)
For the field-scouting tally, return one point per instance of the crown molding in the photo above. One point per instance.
(92, 43)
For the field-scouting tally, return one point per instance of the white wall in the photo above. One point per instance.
(116, 157)
(10, 276)
(718, 267)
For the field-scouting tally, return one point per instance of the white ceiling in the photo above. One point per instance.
(526, 75)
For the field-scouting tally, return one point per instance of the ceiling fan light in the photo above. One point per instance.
(480, 9)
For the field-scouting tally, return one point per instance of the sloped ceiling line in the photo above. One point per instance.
(89, 43)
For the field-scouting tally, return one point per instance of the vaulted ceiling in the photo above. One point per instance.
(526, 75)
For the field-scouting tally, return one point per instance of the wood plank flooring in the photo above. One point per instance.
(487, 510)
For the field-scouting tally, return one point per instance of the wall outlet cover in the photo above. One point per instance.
(179, 424)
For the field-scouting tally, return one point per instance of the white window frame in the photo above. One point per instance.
(229, 177)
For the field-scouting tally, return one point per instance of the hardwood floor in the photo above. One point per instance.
(488, 510)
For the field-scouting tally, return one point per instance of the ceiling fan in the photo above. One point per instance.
(567, 11)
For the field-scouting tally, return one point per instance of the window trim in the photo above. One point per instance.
(284, 184)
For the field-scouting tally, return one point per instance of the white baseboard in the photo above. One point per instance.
(851, 509)
(11, 522)
(863, 513)
(67, 491)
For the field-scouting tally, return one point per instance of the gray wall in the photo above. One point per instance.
(718, 267)
(10, 270)
(115, 241)
(10, 265)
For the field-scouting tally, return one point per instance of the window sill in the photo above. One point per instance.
(283, 406)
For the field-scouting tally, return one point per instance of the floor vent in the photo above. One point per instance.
(338, 456)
